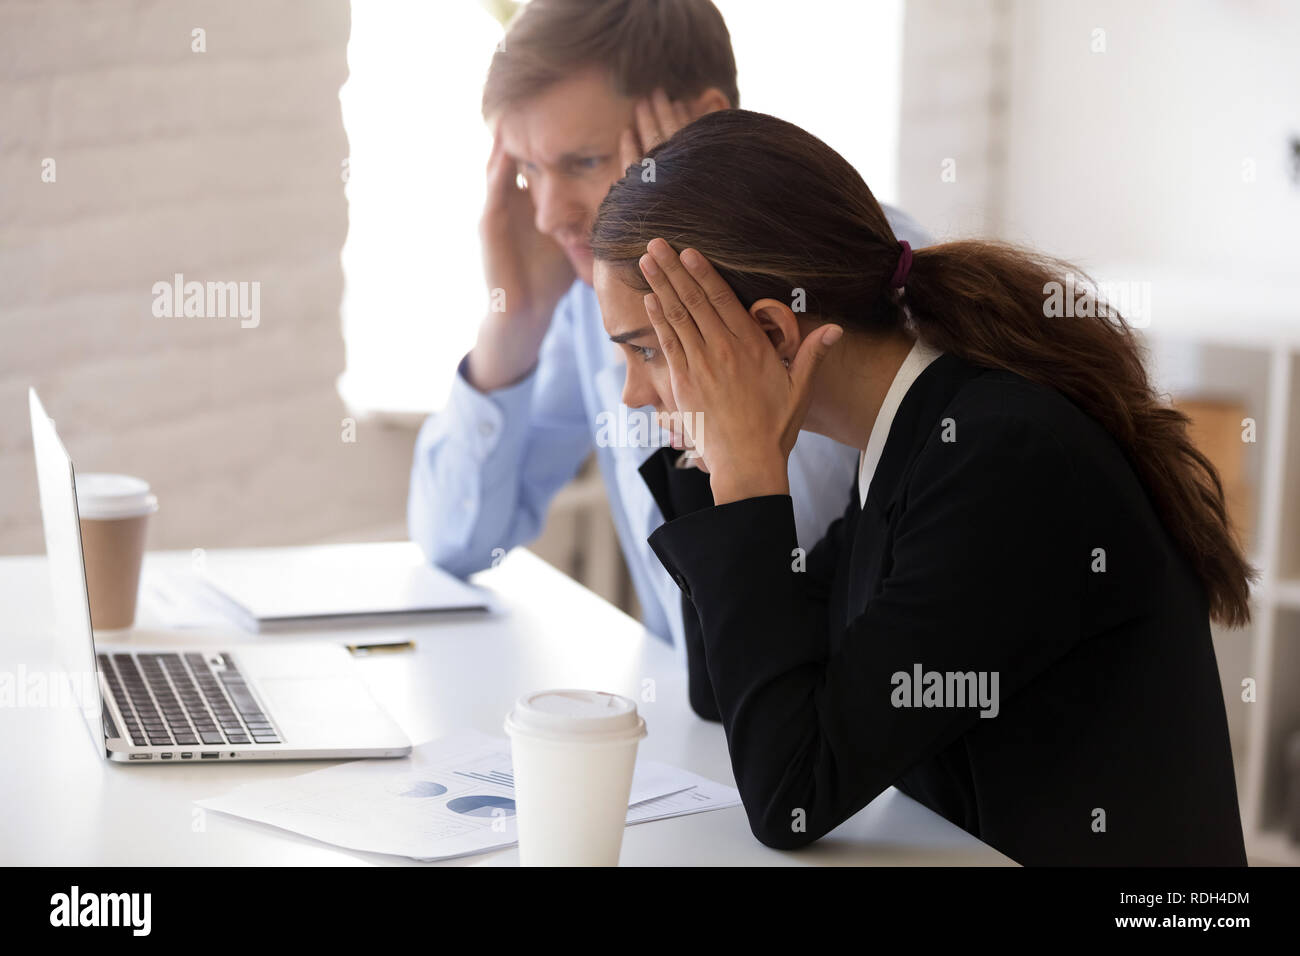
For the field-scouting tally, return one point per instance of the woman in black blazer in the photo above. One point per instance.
(1013, 627)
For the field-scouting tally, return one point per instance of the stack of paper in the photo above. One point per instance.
(451, 797)
(269, 589)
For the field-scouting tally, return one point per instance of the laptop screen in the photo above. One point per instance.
(74, 639)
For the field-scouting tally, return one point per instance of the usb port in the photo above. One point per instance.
(213, 756)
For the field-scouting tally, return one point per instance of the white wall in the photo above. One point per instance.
(830, 66)
(1135, 156)
(1133, 161)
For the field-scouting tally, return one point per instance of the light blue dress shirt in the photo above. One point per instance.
(487, 466)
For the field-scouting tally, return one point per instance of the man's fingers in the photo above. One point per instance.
(682, 113)
(501, 176)
(665, 115)
(657, 118)
(629, 150)
(495, 159)
(647, 127)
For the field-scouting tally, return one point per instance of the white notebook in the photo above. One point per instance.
(271, 588)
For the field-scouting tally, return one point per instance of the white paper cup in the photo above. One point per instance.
(573, 753)
(114, 511)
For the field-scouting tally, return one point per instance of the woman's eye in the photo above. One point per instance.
(646, 352)
(587, 163)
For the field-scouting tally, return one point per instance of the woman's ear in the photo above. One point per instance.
(707, 102)
(779, 324)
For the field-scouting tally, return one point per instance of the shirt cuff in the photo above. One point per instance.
(480, 418)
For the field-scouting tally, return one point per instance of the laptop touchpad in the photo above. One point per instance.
(324, 705)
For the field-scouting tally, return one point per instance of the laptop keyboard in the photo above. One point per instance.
(178, 700)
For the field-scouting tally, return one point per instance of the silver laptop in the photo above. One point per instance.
(195, 703)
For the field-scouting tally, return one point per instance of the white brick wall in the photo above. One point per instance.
(1147, 137)
(222, 166)
(953, 108)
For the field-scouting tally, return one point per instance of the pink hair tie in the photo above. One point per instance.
(903, 267)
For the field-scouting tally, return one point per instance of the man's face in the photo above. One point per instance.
(622, 308)
(565, 142)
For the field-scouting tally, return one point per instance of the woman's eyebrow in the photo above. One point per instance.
(627, 336)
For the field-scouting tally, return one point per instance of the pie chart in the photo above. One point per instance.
(424, 788)
(482, 805)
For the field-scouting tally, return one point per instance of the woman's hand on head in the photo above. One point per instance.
(741, 406)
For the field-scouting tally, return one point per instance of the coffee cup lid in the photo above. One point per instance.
(576, 714)
(103, 496)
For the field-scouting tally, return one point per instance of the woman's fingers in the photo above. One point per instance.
(678, 290)
(816, 346)
(724, 302)
(675, 315)
(669, 343)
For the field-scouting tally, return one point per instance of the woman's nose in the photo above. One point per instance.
(637, 390)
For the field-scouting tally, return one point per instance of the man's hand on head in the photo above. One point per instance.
(656, 119)
(527, 273)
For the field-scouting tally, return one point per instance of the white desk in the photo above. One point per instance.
(63, 804)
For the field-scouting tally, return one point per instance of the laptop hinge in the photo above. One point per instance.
(110, 728)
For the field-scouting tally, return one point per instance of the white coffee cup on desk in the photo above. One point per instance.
(574, 752)
(114, 511)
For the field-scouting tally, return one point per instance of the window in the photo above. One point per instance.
(413, 294)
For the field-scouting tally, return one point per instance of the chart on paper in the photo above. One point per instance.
(451, 797)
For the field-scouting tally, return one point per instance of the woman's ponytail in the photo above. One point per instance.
(995, 305)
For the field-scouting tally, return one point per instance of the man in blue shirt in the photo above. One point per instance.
(578, 91)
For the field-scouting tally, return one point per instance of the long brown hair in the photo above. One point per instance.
(777, 210)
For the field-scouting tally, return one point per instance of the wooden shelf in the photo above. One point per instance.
(1272, 847)
(1246, 337)
(1287, 594)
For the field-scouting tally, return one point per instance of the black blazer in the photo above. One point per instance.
(1005, 534)
(680, 491)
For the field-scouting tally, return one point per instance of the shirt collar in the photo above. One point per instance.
(920, 356)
